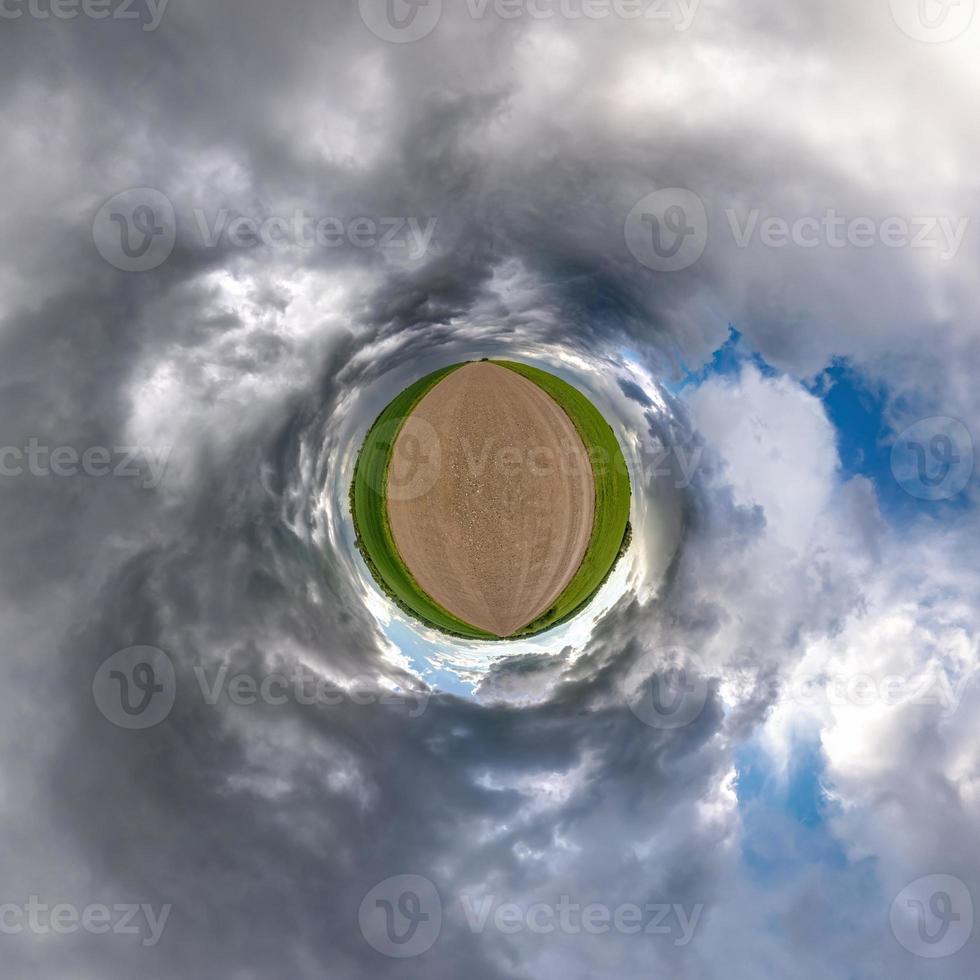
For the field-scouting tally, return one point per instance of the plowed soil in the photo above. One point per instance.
(503, 517)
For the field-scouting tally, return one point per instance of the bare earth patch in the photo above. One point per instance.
(502, 518)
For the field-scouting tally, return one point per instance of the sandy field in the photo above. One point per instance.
(501, 525)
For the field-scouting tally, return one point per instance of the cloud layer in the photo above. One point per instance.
(349, 212)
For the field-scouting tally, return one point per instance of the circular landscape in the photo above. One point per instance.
(491, 500)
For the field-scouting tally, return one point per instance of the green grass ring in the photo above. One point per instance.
(610, 529)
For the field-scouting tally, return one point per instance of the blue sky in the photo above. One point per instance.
(785, 814)
(857, 405)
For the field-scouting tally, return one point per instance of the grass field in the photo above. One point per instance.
(610, 531)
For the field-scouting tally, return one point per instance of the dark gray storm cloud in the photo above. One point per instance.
(225, 390)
